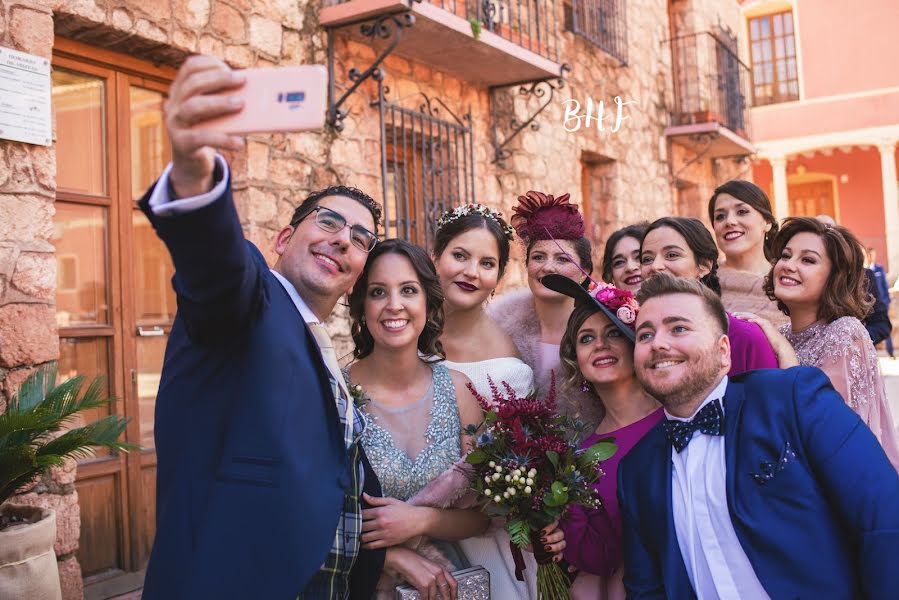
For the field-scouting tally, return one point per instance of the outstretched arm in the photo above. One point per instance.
(216, 277)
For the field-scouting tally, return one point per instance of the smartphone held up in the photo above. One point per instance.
(277, 99)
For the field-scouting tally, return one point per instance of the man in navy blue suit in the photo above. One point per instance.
(260, 470)
(764, 485)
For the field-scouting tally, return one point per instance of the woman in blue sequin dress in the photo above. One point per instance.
(416, 411)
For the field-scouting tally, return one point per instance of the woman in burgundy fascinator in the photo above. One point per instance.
(552, 229)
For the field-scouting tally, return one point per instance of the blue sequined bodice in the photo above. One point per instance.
(402, 476)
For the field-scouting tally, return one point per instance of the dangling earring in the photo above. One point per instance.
(585, 386)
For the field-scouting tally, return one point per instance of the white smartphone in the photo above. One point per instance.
(277, 99)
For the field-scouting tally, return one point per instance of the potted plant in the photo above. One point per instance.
(34, 436)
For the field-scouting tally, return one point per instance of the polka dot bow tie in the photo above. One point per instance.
(709, 420)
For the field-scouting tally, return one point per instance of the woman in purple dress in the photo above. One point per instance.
(684, 248)
(597, 358)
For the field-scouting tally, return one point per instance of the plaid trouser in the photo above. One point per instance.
(331, 581)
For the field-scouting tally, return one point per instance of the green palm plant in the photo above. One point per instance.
(29, 440)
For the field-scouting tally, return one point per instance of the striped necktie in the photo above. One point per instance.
(329, 355)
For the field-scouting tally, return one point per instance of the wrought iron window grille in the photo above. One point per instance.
(507, 127)
(427, 165)
(603, 23)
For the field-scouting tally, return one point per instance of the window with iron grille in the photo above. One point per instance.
(600, 22)
(773, 57)
(427, 167)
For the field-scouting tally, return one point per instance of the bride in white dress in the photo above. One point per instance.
(471, 249)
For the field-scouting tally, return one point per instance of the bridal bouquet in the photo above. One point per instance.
(530, 470)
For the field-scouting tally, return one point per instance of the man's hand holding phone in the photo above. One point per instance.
(210, 105)
(199, 93)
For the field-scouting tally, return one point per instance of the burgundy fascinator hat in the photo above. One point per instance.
(540, 216)
(619, 306)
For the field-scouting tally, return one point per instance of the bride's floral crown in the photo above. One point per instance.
(477, 209)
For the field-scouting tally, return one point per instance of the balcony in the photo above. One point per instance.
(603, 23)
(486, 42)
(711, 92)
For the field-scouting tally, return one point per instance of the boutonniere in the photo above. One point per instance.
(360, 399)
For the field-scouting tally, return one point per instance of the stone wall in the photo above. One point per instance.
(28, 280)
(274, 172)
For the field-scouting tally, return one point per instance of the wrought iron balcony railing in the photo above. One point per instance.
(602, 23)
(711, 83)
(529, 24)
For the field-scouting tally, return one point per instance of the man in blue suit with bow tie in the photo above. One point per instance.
(763, 485)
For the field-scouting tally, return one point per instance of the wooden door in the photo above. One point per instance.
(114, 300)
(813, 198)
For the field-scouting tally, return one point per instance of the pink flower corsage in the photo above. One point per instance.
(621, 302)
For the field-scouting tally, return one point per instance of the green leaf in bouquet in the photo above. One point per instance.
(600, 451)
(491, 417)
(476, 457)
(553, 457)
(519, 532)
(557, 494)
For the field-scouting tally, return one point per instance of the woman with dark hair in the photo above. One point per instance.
(744, 225)
(553, 231)
(684, 248)
(471, 251)
(818, 281)
(621, 258)
(598, 358)
(416, 412)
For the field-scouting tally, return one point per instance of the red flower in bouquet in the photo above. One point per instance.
(530, 469)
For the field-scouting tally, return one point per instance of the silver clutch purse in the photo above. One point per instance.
(474, 584)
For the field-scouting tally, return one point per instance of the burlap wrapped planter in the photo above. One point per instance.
(27, 561)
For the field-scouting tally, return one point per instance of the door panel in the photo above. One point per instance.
(100, 549)
(115, 304)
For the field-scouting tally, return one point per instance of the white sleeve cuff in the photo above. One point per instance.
(162, 205)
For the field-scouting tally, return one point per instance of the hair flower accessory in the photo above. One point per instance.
(477, 209)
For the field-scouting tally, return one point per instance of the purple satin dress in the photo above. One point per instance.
(749, 347)
(593, 536)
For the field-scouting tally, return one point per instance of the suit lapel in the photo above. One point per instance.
(733, 404)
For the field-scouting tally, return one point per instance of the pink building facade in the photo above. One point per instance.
(825, 116)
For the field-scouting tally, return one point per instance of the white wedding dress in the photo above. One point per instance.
(492, 550)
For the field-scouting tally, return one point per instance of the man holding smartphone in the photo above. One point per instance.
(260, 470)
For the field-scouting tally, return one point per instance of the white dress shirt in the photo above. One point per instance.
(716, 563)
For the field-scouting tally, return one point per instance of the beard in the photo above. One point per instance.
(696, 378)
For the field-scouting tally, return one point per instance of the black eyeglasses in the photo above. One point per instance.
(333, 222)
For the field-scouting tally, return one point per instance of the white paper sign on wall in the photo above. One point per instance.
(25, 92)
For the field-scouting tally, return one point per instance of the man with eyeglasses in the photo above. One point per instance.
(260, 470)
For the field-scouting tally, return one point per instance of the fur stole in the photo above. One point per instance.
(516, 314)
